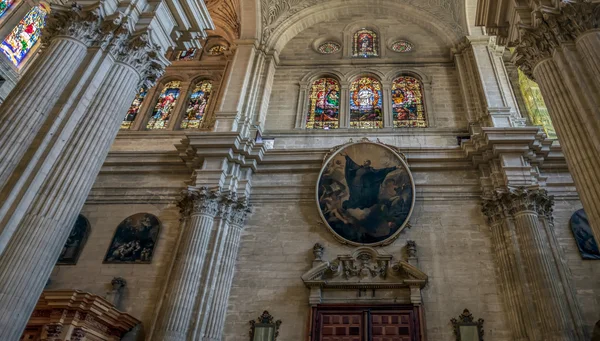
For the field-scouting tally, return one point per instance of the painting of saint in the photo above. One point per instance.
(365, 193)
(74, 245)
(583, 235)
(134, 240)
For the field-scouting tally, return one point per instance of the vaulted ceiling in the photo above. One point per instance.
(225, 15)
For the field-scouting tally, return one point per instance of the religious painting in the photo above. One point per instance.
(134, 108)
(165, 105)
(197, 105)
(407, 103)
(184, 55)
(4, 6)
(583, 235)
(134, 240)
(25, 35)
(365, 193)
(365, 44)
(324, 106)
(74, 245)
(366, 102)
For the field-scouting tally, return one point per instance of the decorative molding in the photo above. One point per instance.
(72, 21)
(264, 318)
(78, 334)
(504, 204)
(466, 319)
(53, 331)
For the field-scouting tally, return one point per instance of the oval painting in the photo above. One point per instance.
(365, 193)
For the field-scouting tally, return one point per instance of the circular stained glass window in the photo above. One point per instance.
(402, 46)
(329, 47)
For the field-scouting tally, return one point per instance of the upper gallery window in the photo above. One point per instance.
(324, 104)
(401, 46)
(197, 105)
(217, 50)
(407, 103)
(366, 103)
(4, 6)
(365, 44)
(134, 108)
(164, 107)
(536, 107)
(186, 54)
(24, 36)
(329, 47)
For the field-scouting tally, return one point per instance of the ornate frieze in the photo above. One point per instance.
(72, 21)
(78, 334)
(53, 331)
(505, 204)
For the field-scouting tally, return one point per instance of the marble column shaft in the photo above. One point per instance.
(199, 208)
(31, 254)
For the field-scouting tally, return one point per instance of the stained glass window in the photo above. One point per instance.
(324, 105)
(365, 44)
(366, 103)
(186, 54)
(401, 46)
(197, 105)
(217, 50)
(407, 103)
(24, 36)
(134, 108)
(536, 108)
(164, 107)
(4, 6)
(329, 47)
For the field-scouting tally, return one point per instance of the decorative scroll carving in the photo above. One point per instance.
(53, 331)
(504, 204)
(264, 320)
(318, 251)
(73, 21)
(411, 248)
(466, 319)
(78, 334)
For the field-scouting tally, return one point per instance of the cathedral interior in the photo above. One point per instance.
(322, 170)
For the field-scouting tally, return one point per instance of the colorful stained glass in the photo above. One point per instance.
(186, 54)
(366, 103)
(407, 103)
(4, 6)
(401, 46)
(217, 50)
(324, 106)
(24, 36)
(164, 107)
(134, 108)
(365, 44)
(197, 105)
(536, 107)
(329, 47)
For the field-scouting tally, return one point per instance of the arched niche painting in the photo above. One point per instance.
(74, 244)
(583, 235)
(134, 240)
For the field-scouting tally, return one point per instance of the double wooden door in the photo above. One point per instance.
(366, 323)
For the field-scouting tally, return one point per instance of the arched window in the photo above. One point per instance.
(407, 103)
(536, 108)
(324, 105)
(197, 105)
(365, 44)
(186, 54)
(4, 6)
(366, 103)
(134, 108)
(24, 36)
(165, 105)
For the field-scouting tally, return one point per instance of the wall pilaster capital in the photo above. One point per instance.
(140, 53)
(241, 210)
(199, 200)
(73, 21)
(506, 203)
(226, 204)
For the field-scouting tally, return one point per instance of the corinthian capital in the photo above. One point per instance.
(73, 21)
(140, 53)
(199, 201)
(240, 212)
(516, 200)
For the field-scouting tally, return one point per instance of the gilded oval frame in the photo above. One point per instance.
(400, 157)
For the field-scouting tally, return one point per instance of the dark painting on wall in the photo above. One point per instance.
(583, 236)
(74, 245)
(134, 240)
(365, 193)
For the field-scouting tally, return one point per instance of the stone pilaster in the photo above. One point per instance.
(562, 53)
(199, 206)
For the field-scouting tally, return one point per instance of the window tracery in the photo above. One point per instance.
(134, 108)
(402, 46)
(4, 6)
(164, 107)
(25, 35)
(324, 104)
(535, 105)
(366, 103)
(329, 47)
(407, 103)
(365, 44)
(196, 110)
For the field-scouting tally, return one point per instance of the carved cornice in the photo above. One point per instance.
(504, 204)
(73, 21)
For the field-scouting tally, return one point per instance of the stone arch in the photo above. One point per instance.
(369, 72)
(423, 77)
(314, 75)
(350, 29)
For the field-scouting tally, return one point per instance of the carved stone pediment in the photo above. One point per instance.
(364, 268)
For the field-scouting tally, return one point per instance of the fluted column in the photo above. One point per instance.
(198, 207)
(39, 236)
(215, 323)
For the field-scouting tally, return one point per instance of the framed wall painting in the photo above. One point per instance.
(588, 248)
(134, 240)
(75, 242)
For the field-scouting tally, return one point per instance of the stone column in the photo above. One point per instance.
(39, 236)
(198, 207)
(213, 329)
(568, 79)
